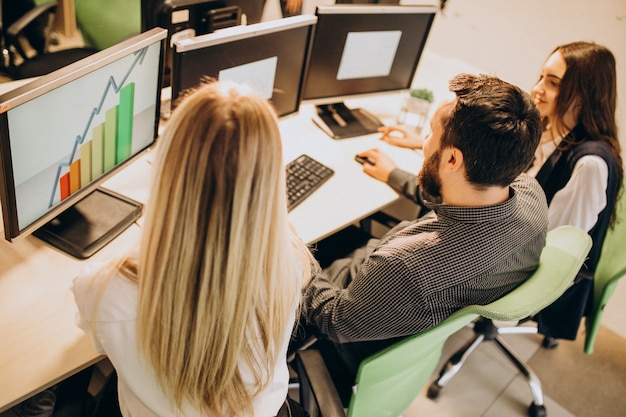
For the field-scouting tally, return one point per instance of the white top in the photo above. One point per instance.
(114, 334)
(580, 201)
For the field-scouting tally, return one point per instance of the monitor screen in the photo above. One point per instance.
(362, 49)
(269, 56)
(64, 133)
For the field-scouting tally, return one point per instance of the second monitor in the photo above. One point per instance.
(269, 56)
(363, 49)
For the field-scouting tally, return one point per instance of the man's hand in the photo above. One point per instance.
(401, 136)
(293, 6)
(380, 164)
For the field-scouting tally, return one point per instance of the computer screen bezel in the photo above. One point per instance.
(239, 33)
(426, 8)
(45, 84)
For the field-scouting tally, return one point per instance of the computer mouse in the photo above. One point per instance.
(361, 160)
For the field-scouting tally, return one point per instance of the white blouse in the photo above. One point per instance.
(581, 200)
(107, 312)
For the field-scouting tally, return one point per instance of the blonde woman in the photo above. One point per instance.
(197, 323)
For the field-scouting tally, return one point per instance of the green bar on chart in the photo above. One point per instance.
(110, 133)
(85, 163)
(125, 122)
(97, 151)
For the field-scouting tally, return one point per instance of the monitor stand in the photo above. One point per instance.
(94, 221)
(340, 122)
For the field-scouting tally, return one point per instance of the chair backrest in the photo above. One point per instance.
(389, 381)
(31, 22)
(39, 60)
(611, 268)
(564, 254)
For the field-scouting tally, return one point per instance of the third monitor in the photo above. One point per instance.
(362, 49)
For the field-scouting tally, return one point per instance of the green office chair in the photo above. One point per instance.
(387, 382)
(611, 267)
(566, 249)
(390, 380)
(106, 23)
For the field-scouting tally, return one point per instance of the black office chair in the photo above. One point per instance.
(26, 45)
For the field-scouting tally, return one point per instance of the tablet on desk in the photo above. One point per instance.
(340, 122)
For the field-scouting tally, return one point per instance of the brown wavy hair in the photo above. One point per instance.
(590, 81)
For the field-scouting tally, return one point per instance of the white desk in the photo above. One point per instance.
(349, 195)
(40, 344)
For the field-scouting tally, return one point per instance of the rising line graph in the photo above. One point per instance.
(116, 87)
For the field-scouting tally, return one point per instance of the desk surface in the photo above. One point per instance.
(40, 344)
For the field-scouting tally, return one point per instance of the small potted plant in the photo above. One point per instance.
(416, 108)
(423, 94)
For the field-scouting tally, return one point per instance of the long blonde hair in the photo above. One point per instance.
(218, 267)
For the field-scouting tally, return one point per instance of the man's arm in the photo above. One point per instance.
(384, 169)
(405, 183)
(381, 302)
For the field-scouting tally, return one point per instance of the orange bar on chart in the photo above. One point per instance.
(64, 186)
(75, 176)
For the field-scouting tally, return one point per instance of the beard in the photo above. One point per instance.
(428, 178)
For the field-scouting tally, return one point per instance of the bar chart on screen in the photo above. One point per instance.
(85, 129)
(110, 141)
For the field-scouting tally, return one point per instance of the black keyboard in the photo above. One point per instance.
(304, 175)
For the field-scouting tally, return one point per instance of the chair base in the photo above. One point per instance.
(485, 330)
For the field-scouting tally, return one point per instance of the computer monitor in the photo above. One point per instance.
(270, 56)
(64, 133)
(363, 49)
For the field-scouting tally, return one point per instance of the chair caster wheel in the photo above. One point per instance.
(549, 342)
(433, 390)
(537, 410)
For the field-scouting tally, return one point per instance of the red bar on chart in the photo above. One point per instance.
(64, 186)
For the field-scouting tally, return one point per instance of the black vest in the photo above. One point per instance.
(556, 172)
